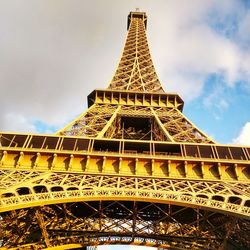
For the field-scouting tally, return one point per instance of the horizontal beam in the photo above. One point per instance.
(125, 165)
(53, 143)
(135, 98)
(101, 238)
(106, 194)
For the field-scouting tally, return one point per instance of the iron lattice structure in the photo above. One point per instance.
(132, 169)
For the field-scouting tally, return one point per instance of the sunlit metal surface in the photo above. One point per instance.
(132, 169)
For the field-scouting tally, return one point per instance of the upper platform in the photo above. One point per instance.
(135, 98)
(141, 15)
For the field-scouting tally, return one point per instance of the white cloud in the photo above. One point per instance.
(244, 137)
(54, 53)
(215, 99)
(244, 28)
(17, 122)
(189, 50)
(188, 85)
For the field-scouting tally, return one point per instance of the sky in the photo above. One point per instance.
(54, 53)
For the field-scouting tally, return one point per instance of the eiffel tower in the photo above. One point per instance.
(132, 169)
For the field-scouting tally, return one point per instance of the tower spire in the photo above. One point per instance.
(136, 71)
(135, 106)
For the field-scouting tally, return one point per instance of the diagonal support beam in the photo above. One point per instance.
(42, 226)
(104, 130)
(161, 125)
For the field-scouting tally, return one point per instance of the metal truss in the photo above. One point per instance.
(106, 116)
(93, 223)
(179, 127)
(159, 124)
(136, 70)
(90, 123)
(30, 189)
(132, 169)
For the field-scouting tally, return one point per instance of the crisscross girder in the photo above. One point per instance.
(136, 71)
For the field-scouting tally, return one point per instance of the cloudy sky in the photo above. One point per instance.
(53, 53)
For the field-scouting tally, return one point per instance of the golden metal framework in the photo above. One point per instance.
(132, 169)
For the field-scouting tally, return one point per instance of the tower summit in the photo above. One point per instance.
(132, 169)
(136, 71)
